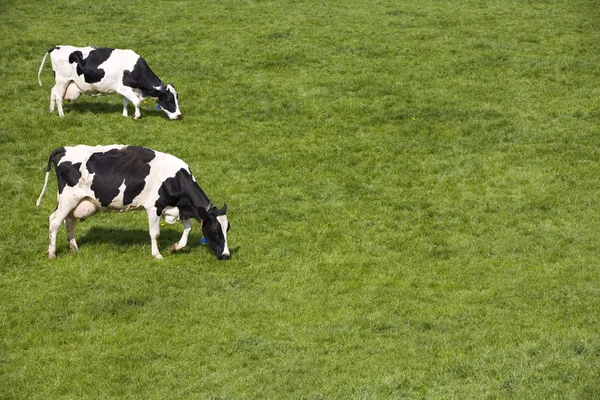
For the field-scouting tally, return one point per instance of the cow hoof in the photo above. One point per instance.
(51, 255)
(174, 248)
(158, 256)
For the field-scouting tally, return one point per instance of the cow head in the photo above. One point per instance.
(167, 101)
(214, 228)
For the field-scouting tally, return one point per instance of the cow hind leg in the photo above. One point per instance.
(70, 222)
(52, 101)
(56, 219)
(58, 91)
(187, 227)
(84, 209)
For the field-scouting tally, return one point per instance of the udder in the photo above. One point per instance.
(85, 209)
(72, 92)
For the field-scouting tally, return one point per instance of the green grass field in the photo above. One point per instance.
(413, 193)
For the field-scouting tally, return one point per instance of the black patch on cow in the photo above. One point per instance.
(166, 100)
(67, 173)
(183, 192)
(142, 77)
(88, 67)
(55, 157)
(129, 165)
(52, 49)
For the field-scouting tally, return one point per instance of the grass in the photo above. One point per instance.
(412, 189)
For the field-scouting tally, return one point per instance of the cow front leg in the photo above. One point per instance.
(154, 225)
(137, 114)
(187, 227)
(129, 95)
(70, 227)
(125, 104)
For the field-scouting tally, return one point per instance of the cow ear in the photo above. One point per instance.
(223, 210)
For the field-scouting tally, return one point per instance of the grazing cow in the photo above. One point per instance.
(98, 71)
(122, 178)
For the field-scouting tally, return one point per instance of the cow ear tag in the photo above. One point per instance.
(203, 240)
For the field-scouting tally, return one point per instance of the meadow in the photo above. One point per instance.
(412, 190)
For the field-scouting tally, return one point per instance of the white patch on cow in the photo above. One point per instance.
(163, 167)
(224, 224)
(117, 202)
(112, 82)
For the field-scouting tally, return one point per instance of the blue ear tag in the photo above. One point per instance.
(157, 107)
(203, 241)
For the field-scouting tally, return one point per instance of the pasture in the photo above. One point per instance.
(413, 195)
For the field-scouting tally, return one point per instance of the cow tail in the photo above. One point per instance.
(48, 169)
(42, 66)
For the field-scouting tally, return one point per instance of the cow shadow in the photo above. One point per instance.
(137, 237)
(93, 107)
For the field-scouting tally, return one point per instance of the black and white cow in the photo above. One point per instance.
(122, 178)
(98, 71)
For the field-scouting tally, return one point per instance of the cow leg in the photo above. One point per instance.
(125, 104)
(154, 224)
(130, 95)
(187, 227)
(70, 226)
(52, 101)
(57, 94)
(56, 219)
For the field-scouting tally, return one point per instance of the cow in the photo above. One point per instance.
(98, 71)
(121, 178)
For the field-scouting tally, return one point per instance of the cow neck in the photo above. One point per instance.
(198, 198)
